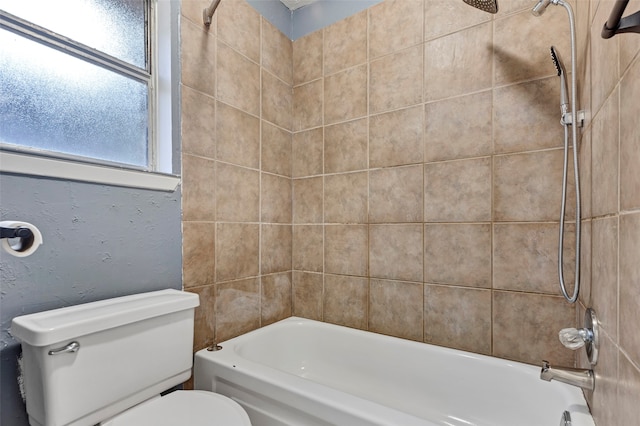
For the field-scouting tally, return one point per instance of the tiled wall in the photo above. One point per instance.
(610, 77)
(426, 168)
(236, 161)
(403, 177)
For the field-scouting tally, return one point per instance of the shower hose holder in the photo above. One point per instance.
(567, 118)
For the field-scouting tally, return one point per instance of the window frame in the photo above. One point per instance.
(158, 174)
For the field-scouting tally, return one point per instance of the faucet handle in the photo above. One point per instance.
(573, 338)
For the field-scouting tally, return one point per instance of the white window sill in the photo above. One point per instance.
(31, 165)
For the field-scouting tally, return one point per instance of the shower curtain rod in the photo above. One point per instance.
(617, 24)
(207, 12)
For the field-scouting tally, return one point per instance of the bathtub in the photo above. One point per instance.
(300, 372)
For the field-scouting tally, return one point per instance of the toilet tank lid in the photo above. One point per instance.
(59, 325)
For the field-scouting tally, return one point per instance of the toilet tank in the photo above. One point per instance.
(129, 349)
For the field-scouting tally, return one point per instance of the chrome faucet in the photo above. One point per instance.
(572, 376)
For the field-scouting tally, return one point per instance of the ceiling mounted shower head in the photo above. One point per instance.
(490, 6)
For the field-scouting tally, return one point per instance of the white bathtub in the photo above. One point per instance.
(301, 372)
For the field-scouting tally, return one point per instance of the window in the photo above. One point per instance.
(80, 84)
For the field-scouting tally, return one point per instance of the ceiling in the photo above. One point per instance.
(296, 4)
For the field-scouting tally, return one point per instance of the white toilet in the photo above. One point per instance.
(107, 362)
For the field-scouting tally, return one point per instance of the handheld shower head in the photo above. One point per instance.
(540, 8)
(564, 97)
(490, 6)
(555, 57)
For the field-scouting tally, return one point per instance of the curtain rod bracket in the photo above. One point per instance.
(616, 24)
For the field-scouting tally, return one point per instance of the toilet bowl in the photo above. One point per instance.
(108, 362)
(192, 408)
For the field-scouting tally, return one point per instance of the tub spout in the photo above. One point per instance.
(572, 376)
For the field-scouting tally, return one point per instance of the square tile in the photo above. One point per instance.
(443, 324)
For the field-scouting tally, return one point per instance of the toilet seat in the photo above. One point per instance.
(188, 408)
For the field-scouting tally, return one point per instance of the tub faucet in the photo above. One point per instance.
(572, 376)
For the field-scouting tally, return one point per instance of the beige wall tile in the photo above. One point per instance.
(276, 298)
(346, 301)
(527, 116)
(198, 58)
(307, 200)
(205, 318)
(238, 137)
(276, 245)
(585, 169)
(307, 153)
(198, 123)
(443, 17)
(525, 257)
(198, 253)
(276, 199)
(396, 194)
(345, 146)
(604, 398)
(630, 138)
(396, 252)
(237, 194)
(346, 198)
(459, 127)
(458, 191)
(585, 264)
(629, 287)
(510, 6)
(198, 188)
(237, 308)
(238, 80)
(277, 52)
(345, 95)
(458, 254)
(276, 150)
(395, 308)
(307, 105)
(307, 295)
(539, 317)
(605, 273)
(345, 43)
(192, 9)
(395, 25)
(444, 325)
(459, 63)
(239, 27)
(628, 390)
(396, 138)
(522, 43)
(345, 249)
(527, 187)
(395, 81)
(605, 149)
(237, 250)
(277, 101)
(307, 57)
(308, 247)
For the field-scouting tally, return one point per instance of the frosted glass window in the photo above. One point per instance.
(54, 101)
(115, 27)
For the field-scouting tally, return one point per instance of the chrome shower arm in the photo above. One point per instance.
(207, 12)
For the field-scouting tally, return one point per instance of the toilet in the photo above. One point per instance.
(108, 362)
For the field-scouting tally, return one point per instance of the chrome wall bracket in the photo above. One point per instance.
(567, 119)
(593, 345)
